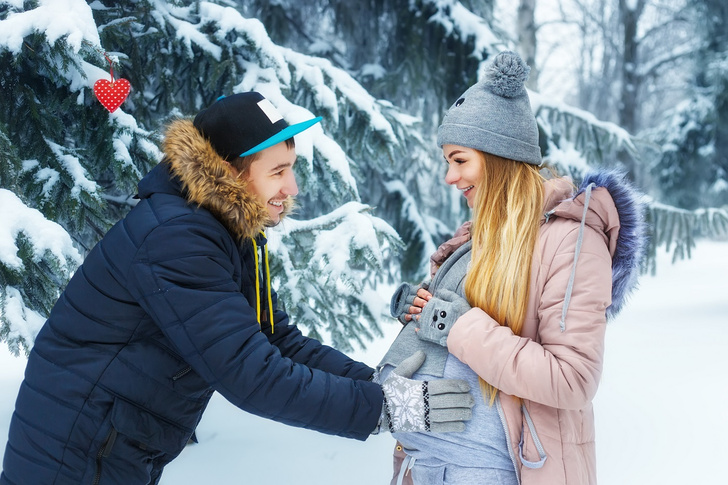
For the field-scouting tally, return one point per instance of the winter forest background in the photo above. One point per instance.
(636, 84)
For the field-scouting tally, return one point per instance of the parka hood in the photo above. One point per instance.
(205, 180)
(607, 202)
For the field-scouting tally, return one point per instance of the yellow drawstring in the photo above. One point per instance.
(257, 282)
(267, 279)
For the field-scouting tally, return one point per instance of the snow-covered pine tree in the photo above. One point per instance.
(692, 168)
(576, 141)
(80, 164)
(420, 55)
(62, 157)
(691, 163)
(34, 265)
(676, 229)
(336, 254)
(683, 167)
(373, 157)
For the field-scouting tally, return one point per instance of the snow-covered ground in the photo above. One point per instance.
(661, 408)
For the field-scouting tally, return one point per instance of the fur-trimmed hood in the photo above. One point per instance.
(205, 181)
(619, 213)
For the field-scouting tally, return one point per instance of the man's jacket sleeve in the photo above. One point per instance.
(183, 277)
(310, 352)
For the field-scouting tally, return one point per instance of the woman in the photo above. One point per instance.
(543, 267)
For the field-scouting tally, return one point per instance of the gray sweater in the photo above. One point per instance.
(483, 443)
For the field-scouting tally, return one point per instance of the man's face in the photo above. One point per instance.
(271, 179)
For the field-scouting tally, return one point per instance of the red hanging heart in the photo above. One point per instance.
(112, 93)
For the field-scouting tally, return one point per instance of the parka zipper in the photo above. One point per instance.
(502, 417)
(182, 373)
(104, 452)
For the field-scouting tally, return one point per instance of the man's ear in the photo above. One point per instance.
(233, 171)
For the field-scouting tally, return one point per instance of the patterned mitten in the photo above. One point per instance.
(402, 299)
(439, 315)
(441, 405)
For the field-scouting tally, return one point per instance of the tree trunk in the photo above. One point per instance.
(717, 46)
(527, 39)
(628, 108)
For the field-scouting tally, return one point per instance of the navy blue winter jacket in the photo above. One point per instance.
(162, 313)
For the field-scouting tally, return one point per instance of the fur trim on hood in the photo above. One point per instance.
(632, 237)
(207, 182)
(620, 214)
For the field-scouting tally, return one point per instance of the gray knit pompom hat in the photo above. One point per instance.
(494, 115)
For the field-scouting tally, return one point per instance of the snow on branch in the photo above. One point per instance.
(599, 141)
(676, 229)
(28, 238)
(71, 20)
(455, 17)
(325, 271)
(19, 324)
(337, 236)
(44, 235)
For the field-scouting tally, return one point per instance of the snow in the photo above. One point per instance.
(45, 237)
(539, 102)
(375, 71)
(75, 169)
(567, 156)
(23, 323)
(453, 16)
(188, 33)
(17, 218)
(660, 409)
(229, 19)
(348, 228)
(413, 214)
(57, 19)
(349, 88)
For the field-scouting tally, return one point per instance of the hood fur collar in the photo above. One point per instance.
(617, 209)
(631, 241)
(207, 182)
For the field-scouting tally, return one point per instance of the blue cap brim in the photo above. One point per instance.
(283, 135)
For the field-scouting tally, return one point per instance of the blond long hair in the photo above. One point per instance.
(506, 214)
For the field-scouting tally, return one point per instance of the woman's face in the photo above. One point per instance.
(465, 170)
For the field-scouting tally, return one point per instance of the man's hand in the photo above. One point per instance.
(439, 315)
(440, 406)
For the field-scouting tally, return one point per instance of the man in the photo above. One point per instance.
(175, 303)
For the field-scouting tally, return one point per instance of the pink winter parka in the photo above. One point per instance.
(585, 263)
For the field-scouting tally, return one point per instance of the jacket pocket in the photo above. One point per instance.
(151, 432)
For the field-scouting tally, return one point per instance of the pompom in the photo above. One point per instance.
(506, 74)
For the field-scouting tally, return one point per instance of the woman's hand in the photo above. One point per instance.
(421, 298)
(408, 301)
